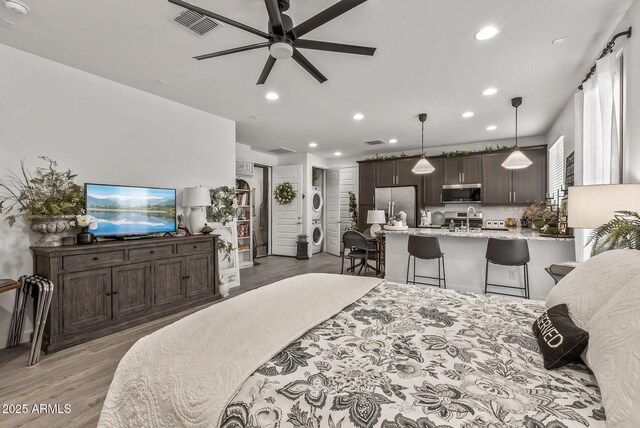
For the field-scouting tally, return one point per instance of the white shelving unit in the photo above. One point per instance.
(245, 196)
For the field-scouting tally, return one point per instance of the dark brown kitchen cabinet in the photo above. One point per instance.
(385, 174)
(362, 216)
(404, 176)
(462, 170)
(366, 183)
(496, 180)
(88, 299)
(501, 186)
(131, 289)
(109, 286)
(430, 185)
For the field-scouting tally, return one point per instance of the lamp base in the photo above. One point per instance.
(375, 229)
(197, 219)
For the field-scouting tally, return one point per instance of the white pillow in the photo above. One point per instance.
(613, 354)
(589, 286)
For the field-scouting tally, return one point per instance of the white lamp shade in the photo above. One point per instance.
(592, 206)
(423, 167)
(196, 197)
(376, 217)
(516, 160)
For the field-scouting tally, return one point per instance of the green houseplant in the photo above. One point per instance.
(621, 232)
(353, 211)
(48, 197)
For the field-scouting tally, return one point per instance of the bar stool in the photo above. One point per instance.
(41, 290)
(507, 252)
(425, 248)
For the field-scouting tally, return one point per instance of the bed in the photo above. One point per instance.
(334, 351)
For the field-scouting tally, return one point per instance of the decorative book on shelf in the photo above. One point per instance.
(244, 229)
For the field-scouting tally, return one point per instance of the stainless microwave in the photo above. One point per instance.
(462, 193)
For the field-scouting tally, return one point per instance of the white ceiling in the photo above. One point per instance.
(427, 61)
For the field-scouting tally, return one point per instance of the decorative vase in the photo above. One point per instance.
(51, 228)
(85, 237)
(303, 250)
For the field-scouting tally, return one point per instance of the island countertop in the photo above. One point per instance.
(515, 233)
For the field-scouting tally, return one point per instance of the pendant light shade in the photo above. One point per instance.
(423, 166)
(517, 159)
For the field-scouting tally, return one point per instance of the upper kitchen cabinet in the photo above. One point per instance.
(462, 170)
(430, 185)
(366, 180)
(501, 186)
(395, 173)
(530, 184)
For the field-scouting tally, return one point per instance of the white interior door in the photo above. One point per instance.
(333, 235)
(287, 219)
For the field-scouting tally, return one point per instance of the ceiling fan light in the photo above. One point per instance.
(423, 167)
(516, 160)
(281, 50)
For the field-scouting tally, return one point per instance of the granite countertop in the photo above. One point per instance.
(518, 233)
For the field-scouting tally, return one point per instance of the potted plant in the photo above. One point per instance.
(49, 198)
(537, 215)
(622, 232)
(302, 252)
(353, 212)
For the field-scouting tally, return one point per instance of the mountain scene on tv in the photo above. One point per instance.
(131, 210)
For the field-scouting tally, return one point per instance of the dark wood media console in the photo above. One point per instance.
(110, 286)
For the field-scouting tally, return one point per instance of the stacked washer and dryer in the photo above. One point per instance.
(317, 230)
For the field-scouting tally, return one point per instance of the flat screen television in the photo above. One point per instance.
(130, 211)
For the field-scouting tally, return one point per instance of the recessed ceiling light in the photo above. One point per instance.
(313, 144)
(489, 91)
(338, 154)
(492, 128)
(358, 116)
(559, 40)
(467, 114)
(272, 96)
(393, 141)
(487, 33)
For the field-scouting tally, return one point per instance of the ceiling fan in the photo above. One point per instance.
(283, 39)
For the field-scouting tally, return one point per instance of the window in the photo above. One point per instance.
(556, 166)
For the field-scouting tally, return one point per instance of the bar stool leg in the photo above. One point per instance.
(486, 277)
(439, 275)
(444, 274)
(408, 267)
(526, 281)
(414, 269)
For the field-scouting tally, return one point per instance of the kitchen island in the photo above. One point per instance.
(465, 259)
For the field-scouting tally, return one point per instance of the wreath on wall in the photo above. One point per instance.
(224, 204)
(284, 193)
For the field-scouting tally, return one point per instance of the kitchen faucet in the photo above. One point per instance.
(474, 211)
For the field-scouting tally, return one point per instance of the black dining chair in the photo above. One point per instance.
(358, 249)
(508, 252)
(425, 248)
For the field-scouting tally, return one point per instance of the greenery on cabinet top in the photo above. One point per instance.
(450, 154)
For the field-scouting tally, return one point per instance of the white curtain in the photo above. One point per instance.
(598, 119)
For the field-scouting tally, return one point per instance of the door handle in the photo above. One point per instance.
(463, 177)
(514, 196)
(509, 196)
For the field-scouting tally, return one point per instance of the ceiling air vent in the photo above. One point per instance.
(282, 151)
(374, 142)
(196, 22)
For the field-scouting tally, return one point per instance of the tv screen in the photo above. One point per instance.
(127, 210)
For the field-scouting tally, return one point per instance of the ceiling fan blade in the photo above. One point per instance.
(231, 51)
(220, 18)
(275, 17)
(311, 69)
(266, 70)
(325, 16)
(334, 47)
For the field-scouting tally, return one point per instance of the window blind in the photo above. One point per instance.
(556, 166)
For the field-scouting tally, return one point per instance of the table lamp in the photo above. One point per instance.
(375, 218)
(590, 207)
(197, 198)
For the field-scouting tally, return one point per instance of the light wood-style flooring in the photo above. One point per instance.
(80, 376)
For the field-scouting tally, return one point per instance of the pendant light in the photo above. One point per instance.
(423, 166)
(517, 159)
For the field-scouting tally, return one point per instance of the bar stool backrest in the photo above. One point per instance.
(424, 247)
(353, 240)
(508, 252)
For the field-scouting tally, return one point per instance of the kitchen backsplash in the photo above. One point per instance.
(488, 213)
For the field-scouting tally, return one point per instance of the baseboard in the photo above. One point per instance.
(26, 338)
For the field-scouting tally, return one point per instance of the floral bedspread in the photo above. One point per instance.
(406, 356)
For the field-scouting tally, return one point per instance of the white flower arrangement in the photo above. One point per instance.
(87, 221)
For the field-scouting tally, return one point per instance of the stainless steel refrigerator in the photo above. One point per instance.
(395, 199)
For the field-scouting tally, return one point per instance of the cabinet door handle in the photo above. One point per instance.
(514, 196)
(509, 196)
(463, 177)
(195, 246)
(96, 258)
(109, 293)
(152, 252)
(114, 293)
